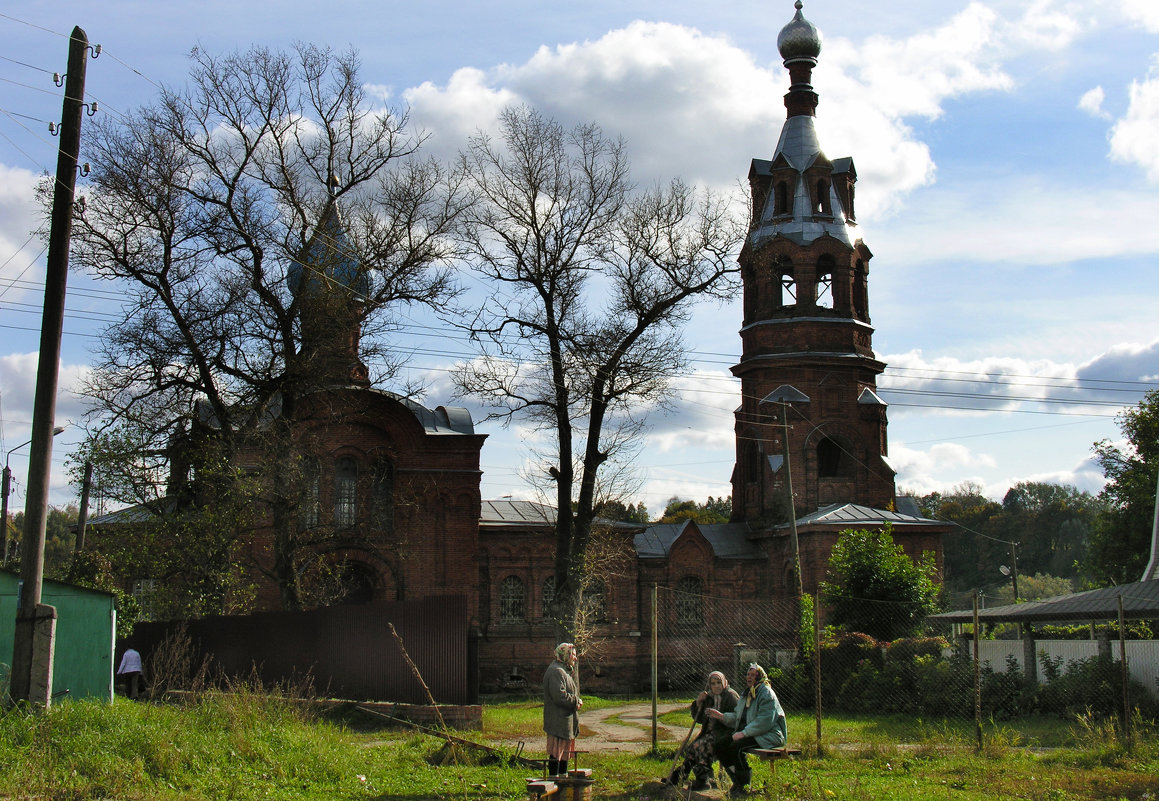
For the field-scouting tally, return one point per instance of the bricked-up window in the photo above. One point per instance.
(689, 601)
(309, 507)
(345, 492)
(512, 600)
(548, 596)
(382, 493)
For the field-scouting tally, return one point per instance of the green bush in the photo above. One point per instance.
(841, 655)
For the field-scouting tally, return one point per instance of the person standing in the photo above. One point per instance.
(758, 722)
(561, 705)
(130, 669)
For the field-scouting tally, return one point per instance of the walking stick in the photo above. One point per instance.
(680, 750)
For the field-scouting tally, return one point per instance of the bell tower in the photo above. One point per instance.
(810, 417)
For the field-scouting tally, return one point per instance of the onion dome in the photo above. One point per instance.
(329, 259)
(800, 39)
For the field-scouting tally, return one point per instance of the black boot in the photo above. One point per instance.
(740, 781)
(552, 766)
(701, 782)
(562, 768)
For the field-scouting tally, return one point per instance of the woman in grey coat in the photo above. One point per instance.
(561, 705)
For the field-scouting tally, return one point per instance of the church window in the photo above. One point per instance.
(825, 290)
(781, 198)
(511, 600)
(309, 507)
(689, 601)
(595, 602)
(548, 596)
(821, 204)
(383, 495)
(345, 492)
(860, 291)
(788, 289)
(752, 460)
(832, 460)
(144, 591)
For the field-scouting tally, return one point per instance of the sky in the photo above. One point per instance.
(1007, 154)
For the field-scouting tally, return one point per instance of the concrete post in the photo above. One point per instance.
(1029, 658)
(34, 647)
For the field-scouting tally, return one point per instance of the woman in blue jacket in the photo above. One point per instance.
(758, 722)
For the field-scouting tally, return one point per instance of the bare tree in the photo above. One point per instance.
(591, 285)
(216, 209)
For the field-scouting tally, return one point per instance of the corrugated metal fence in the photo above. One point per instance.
(347, 650)
(1142, 655)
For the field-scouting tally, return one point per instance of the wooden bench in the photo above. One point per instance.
(773, 755)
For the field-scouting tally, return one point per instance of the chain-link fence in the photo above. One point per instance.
(932, 677)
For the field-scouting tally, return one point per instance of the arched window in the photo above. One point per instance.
(548, 596)
(788, 289)
(832, 460)
(382, 492)
(821, 204)
(689, 602)
(781, 198)
(357, 584)
(825, 290)
(309, 506)
(345, 492)
(512, 600)
(860, 291)
(595, 603)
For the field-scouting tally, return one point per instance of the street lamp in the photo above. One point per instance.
(785, 395)
(6, 488)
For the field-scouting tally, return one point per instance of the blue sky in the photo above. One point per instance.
(1007, 154)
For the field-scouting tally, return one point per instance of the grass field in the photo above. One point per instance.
(247, 745)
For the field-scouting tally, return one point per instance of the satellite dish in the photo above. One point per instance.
(1004, 570)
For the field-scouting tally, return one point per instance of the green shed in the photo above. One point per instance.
(82, 664)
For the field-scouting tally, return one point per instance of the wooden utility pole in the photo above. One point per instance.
(83, 519)
(35, 634)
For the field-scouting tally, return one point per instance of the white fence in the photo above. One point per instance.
(1142, 655)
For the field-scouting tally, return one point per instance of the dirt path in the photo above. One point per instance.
(626, 728)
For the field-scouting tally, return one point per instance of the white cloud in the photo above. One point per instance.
(1092, 103)
(18, 389)
(1127, 361)
(1042, 26)
(1135, 137)
(18, 218)
(1034, 220)
(950, 385)
(914, 76)
(701, 414)
(1144, 12)
(688, 103)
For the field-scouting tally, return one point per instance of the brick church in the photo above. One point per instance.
(404, 481)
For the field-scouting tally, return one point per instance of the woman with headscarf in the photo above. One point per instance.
(561, 704)
(714, 734)
(758, 722)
